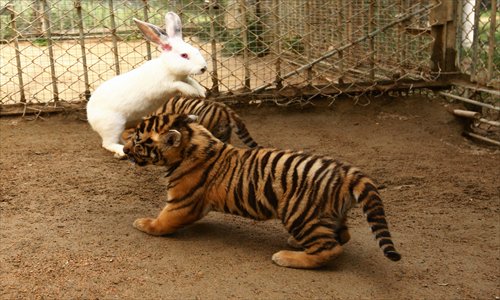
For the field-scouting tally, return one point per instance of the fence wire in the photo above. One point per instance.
(61, 50)
(477, 40)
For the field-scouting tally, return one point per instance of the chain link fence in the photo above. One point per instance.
(54, 51)
(477, 40)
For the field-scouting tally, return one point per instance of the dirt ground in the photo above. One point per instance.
(67, 208)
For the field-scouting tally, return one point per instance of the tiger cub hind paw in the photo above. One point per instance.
(303, 260)
(291, 259)
(144, 225)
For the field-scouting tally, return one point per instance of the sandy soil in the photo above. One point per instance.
(67, 207)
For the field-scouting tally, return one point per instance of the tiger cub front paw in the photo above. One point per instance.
(144, 225)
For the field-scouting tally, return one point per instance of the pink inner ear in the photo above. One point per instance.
(166, 47)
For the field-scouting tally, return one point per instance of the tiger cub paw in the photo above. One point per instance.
(290, 259)
(144, 225)
(280, 259)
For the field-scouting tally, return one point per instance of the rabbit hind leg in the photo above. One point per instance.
(110, 127)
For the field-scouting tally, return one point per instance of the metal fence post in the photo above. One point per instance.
(307, 40)
(371, 41)
(146, 19)
(13, 16)
(475, 40)
(78, 6)
(340, 29)
(277, 42)
(491, 38)
(114, 36)
(213, 47)
(48, 36)
(244, 36)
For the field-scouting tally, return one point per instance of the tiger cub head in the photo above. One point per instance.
(159, 139)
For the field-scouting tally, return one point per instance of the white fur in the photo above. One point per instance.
(125, 99)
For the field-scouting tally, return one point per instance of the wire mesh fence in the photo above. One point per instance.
(478, 35)
(61, 50)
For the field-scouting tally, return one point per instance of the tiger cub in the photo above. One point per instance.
(217, 117)
(310, 194)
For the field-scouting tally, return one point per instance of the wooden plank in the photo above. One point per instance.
(443, 31)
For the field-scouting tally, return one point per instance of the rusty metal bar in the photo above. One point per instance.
(114, 36)
(307, 39)
(145, 9)
(491, 39)
(277, 42)
(213, 47)
(371, 42)
(244, 37)
(349, 30)
(13, 17)
(340, 29)
(48, 36)
(475, 39)
(78, 6)
(402, 44)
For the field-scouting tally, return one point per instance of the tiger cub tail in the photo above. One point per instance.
(367, 195)
(241, 130)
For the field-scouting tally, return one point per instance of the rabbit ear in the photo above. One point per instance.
(153, 33)
(173, 25)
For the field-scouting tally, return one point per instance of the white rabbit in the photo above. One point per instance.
(123, 100)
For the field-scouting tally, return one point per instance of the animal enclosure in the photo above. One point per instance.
(67, 207)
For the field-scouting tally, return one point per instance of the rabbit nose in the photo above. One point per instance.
(203, 69)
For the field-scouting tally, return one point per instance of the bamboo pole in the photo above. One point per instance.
(78, 6)
(244, 37)
(467, 100)
(48, 36)
(277, 42)
(482, 138)
(145, 9)
(114, 36)
(491, 39)
(470, 86)
(489, 122)
(467, 114)
(13, 17)
(349, 45)
(213, 48)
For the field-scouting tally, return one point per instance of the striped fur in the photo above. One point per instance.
(217, 117)
(310, 194)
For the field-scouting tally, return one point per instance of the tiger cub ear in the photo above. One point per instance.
(191, 118)
(172, 138)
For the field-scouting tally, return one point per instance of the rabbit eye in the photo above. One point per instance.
(184, 55)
